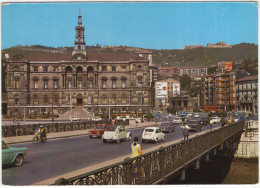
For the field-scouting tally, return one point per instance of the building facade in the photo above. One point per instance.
(52, 83)
(194, 71)
(246, 93)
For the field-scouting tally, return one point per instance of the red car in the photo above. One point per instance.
(98, 131)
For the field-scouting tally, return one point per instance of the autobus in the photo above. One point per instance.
(212, 109)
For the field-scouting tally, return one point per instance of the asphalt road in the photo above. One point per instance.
(60, 156)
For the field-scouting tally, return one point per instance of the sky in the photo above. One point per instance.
(153, 25)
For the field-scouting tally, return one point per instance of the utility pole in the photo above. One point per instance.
(70, 108)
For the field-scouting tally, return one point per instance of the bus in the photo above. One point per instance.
(212, 109)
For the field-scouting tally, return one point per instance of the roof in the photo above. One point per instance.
(112, 57)
(247, 78)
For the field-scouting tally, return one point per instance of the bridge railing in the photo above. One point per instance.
(152, 166)
(22, 130)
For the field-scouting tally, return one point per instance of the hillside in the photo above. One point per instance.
(178, 58)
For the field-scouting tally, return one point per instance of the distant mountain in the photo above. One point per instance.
(187, 57)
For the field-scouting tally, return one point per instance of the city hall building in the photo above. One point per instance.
(53, 83)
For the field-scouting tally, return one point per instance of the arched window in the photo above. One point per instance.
(123, 79)
(35, 99)
(90, 99)
(114, 82)
(104, 82)
(114, 98)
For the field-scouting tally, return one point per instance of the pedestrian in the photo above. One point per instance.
(112, 122)
(185, 132)
(136, 148)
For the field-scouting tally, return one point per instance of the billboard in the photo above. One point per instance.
(228, 65)
(161, 90)
(176, 89)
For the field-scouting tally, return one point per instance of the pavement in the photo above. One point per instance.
(28, 138)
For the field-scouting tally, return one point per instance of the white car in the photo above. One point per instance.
(116, 133)
(189, 114)
(177, 120)
(215, 119)
(154, 134)
(75, 118)
(196, 115)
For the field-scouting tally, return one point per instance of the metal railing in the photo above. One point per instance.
(153, 166)
(22, 130)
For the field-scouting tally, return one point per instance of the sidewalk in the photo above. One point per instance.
(28, 138)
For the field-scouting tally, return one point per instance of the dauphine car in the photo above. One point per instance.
(154, 134)
(116, 133)
(97, 131)
(12, 155)
(168, 126)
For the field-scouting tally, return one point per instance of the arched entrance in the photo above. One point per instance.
(79, 100)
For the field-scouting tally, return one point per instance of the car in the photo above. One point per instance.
(116, 133)
(194, 125)
(182, 114)
(196, 115)
(97, 131)
(189, 114)
(167, 126)
(204, 121)
(177, 120)
(153, 134)
(12, 155)
(215, 119)
(75, 118)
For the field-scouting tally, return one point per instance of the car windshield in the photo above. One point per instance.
(149, 130)
(100, 127)
(111, 128)
(177, 118)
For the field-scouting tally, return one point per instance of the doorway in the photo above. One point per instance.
(79, 100)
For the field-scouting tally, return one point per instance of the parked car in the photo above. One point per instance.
(189, 114)
(182, 114)
(116, 133)
(12, 155)
(154, 134)
(196, 115)
(177, 120)
(167, 126)
(204, 121)
(215, 119)
(98, 130)
(194, 125)
(75, 118)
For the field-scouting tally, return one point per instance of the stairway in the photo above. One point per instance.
(78, 111)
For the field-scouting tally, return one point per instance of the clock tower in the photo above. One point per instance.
(79, 46)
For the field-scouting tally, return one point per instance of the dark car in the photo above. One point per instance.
(194, 125)
(167, 126)
(204, 121)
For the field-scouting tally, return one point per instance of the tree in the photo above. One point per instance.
(185, 81)
(250, 66)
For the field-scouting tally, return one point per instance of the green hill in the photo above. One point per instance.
(186, 57)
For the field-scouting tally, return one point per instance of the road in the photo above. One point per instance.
(60, 156)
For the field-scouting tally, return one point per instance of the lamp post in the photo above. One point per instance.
(52, 107)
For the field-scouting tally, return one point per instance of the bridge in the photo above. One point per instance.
(158, 166)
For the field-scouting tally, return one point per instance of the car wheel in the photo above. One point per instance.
(143, 141)
(118, 141)
(90, 136)
(104, 140)
(18, 161)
